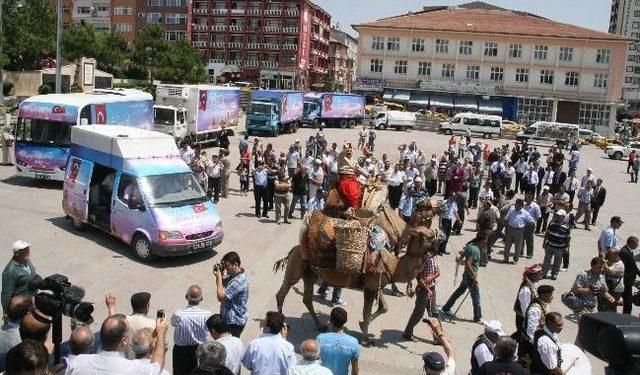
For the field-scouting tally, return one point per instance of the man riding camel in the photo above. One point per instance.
(348, 185)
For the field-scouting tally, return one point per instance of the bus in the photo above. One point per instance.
(43, 131)
(484, 125)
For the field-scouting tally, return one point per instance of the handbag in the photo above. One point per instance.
(573, 302)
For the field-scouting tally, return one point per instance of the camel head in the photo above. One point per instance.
(428, 241)
(334, 204)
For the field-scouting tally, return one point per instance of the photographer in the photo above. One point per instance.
(588, 286)
(17, 274)
(232, 292)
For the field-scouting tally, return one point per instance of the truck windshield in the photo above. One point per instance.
(260, 109)
(172, 189)
(44, 132)
(164, 116)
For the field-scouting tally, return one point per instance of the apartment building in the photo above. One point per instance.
(172, 15)
(488, 59)
(124, 17)
(625, 21)
(342, 38)
(339, 73)
(278, 44)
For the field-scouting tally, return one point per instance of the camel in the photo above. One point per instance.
(317, 236)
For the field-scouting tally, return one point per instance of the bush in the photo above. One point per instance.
(76, 88)
(44, 89)
(6, 88)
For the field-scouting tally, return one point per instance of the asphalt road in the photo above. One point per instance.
(32, 211)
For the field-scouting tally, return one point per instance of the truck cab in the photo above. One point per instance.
(312, 112)
(170, 120)
(132, 184)
(274, 112)
(263, 117)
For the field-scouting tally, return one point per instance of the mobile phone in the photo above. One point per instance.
(160, 314)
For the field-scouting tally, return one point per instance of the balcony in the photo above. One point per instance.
(253, 64)
(271, 29)
(199, 43)
(253, 45)
(235, 44)
(219, 11)
(292, 12)
(200, 11)
(236, 27)
(272, 12)
(216, 61)
(272, 46)
(237, 11)
(315, 36)
(216, 44)
(290, 46)
(197, 27)
(269, 64)
(218, 27)
(254, 12)
(291, 30)
(235, 62)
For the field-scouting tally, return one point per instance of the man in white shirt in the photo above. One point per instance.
(140, 303)
(235, 349)
(482, 350)
(114, 339)
(396, 183)
(515, 221)
(143, 346)
(311, 364)
(534, 210)
(546, 351)
(186, 153)
(571, 186)
(270, 353)
(530, 180)
(588, 177)
(536, 311)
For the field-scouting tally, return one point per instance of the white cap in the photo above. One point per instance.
(590, 169)
(318, 161)
(494, 326)
(561, 212)
(20, 245)
(417, 179)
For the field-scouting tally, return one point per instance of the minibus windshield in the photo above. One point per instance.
(172, 189)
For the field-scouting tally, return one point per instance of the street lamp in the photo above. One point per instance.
(58, 51)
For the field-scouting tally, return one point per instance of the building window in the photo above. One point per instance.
(635, 36)
(101, 8)
(400, 67)
(100, 26)
(629, 69)
(176, 19)
(466, 47)
(601, 80)
(376, 66)
(377, 43)
(572, 79)
(627, 79)
(546, 76)
(154, 18)
(442, 46)
(417, 45)
(631, 57)
(175, 35)
(566, 54)
(594, 114)
(632, 47)
(635, 25)
(540, 52)
(123, 27)
(122, 11)
(515, 51)
(448, 70)
(603, 56)
(424, 69)
(83, 10)
(393, 44)
(532, 110)
(636, 13)
(497, 73)
(522, 75)
(176, 3)
(156, 3)
(490, 49)
(473, 72)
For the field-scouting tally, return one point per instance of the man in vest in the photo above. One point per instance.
(534, 319)
(546, 354)
(483, 349)
(526, 293)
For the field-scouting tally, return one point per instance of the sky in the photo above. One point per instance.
(593, 14)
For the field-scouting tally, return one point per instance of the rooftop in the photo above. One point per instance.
(479, 17)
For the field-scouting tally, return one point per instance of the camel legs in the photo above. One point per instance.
(309, 278)
(382, 307)
(293, 273)
(367, 317)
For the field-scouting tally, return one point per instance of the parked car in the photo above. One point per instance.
(604, 143)
(619, 152)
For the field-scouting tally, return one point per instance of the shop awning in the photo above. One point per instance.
(492, 106)
(441, 101)
(419, 99)
(396, 95)
(466, 103)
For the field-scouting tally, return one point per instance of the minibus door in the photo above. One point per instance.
(77, 184)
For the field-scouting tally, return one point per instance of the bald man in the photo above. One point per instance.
(10, 332)
(190, 330)
(310, 364)
(80, 342)
(35, 326)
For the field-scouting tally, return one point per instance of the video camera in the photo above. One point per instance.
(65, 299)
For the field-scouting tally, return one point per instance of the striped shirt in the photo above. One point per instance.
(558, 235)
(190, 325)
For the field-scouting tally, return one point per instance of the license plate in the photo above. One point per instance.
(202, 245)
(43, 176)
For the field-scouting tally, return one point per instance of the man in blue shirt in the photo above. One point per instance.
(337, 349)
(233, 293)
(608, 237)
(260, 189)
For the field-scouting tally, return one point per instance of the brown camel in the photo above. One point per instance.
(303, 262)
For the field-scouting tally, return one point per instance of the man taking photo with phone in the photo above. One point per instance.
(232, 292)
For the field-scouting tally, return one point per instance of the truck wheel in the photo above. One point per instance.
(250, 132)
(617, 155)
(484, 135)
(343, 124)
(142, 248)
(316, 123)
(78, 224)
(276, 132)
(352, 124)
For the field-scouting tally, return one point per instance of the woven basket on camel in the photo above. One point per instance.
(351, 244)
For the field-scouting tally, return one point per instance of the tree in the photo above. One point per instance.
(29, 33)
(112, 53)
(181, 63)
(78, 41)
(149, 46)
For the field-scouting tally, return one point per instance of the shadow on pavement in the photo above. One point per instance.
(30, 182)
(121, 250)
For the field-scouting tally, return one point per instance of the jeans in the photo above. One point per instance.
(303, 205)
(446, 228)
(467, 283)
(634, 176)
(424, 302)
(556, 254)
(337, 291)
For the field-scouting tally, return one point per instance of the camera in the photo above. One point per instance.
(65, 299)
(219, 266)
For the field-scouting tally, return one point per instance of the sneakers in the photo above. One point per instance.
(338, 303)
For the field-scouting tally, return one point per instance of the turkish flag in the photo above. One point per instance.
(100, 114)
(202, 103)
(198, 208)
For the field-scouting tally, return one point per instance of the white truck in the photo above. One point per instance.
(196, 113)
(398, 120)
(546, 133)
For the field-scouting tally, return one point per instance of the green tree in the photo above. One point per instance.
(29, 33)
(181, 63)
(79, 40)
(149, 48)
(112, 52)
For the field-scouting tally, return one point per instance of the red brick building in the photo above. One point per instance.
(279, 44)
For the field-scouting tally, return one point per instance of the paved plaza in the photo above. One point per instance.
(32, 211)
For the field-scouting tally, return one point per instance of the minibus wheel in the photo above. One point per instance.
(142, 248)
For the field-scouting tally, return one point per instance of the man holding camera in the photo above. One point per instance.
(17, 274)
(232, 292)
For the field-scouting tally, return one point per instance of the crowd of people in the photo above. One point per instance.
(525, 198)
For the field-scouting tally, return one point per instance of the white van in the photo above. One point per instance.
(394, 119)
(547, 133)
(486, 125)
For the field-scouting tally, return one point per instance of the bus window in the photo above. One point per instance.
(492, 123)
(86, 113)
(456, 120)
(471, 121)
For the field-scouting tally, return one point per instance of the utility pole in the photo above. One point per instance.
(58, 52)
(1, 64)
